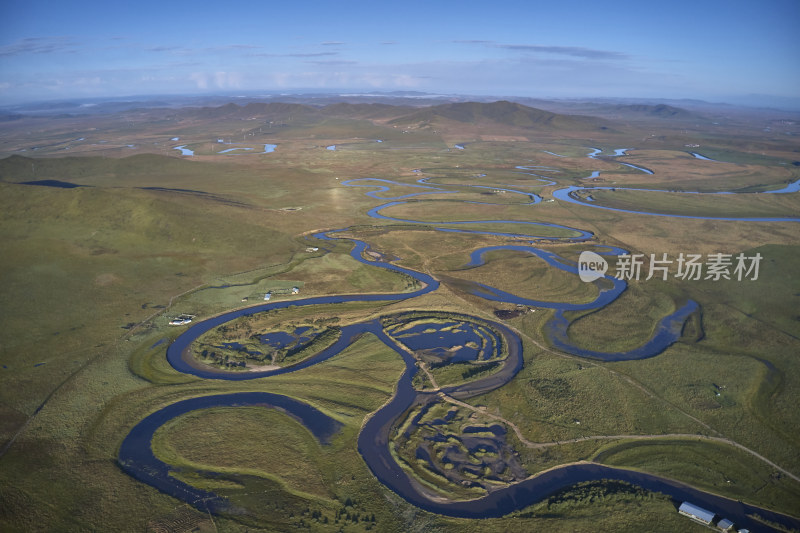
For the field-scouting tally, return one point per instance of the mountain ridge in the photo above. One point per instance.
(501, 112)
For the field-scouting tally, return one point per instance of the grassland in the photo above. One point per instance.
(716, 467)
(528, 276)
(92, 275)
(748, 205)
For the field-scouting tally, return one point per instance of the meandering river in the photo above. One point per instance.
(136, 456)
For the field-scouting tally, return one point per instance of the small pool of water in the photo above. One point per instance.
(284, 339)
(637, 167)
(184, 150)
(453, 341)
(702, 157)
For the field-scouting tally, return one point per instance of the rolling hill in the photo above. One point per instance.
(502, 113)
(655, 111)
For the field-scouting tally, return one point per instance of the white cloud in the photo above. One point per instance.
(342, 78)
(200, 79)
(217, 80)
(228, 80)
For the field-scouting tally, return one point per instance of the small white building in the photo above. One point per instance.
(267, 296)
(725, 525)
(180, 321)
(295, 290)
(698, 514)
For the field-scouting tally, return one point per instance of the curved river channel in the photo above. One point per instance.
(137, 459)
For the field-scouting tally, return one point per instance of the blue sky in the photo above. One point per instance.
(714, 50)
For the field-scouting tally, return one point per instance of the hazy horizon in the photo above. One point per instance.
(712, 51)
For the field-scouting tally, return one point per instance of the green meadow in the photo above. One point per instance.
(749, 205)
(92, 276)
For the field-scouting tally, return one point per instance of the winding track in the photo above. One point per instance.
(374, 436)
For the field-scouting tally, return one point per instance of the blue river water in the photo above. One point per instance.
(581, 235)
(595, 154)
(667, 332)
(184, 150)
(605, 296)
(637, 167)
(567, 194)
(136, 456)
(702, 157)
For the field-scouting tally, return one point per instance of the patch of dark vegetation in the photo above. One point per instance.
(180, 519)
(461, 450)
(475, 370)
(101, 250)
(586, 494)
(328, 336)
(270, 507)
(693, 328)
(351, 513)
(222, 361)
(233, 347)
(557, 388)
(508, 314)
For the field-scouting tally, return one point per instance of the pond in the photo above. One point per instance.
(184, 150)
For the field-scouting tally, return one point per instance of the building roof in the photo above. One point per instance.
(725, 524)
(696, 512)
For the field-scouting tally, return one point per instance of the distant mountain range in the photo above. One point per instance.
(395, 98)
(502, 112)
(405, 109)
(660, 110)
